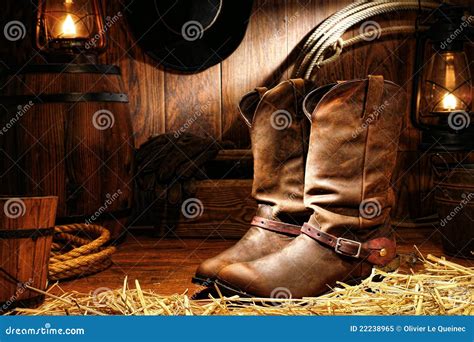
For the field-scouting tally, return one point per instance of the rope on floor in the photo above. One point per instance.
(78, 250)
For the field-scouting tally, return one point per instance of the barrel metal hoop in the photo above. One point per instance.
(66, 68)
(66, 97)
(33, 233)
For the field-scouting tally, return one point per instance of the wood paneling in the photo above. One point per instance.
(144, 79)
(193, 102)
(256, 62)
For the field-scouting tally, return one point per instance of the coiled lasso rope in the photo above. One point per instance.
(328, 35)
(84, 255)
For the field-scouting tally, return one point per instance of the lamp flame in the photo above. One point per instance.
(68, 27)
(449, 102)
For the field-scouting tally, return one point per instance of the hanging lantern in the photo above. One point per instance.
(68, 28)
(442, 99)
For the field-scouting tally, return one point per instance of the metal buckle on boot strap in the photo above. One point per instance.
(338, 246)
(341, 245)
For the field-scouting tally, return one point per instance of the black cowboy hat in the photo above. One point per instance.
(189, 35)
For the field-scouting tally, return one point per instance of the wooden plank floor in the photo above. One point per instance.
(167, 265)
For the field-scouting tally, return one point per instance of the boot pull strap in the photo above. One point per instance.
(276, 226)
(373, 99)
(248, 104)
(378, 251)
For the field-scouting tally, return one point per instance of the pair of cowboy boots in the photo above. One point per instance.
(324, 205)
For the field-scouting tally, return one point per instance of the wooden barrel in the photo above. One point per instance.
(26, 233)
(454, 198)
(65, 130)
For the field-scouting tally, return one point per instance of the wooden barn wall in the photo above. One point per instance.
(162, 101)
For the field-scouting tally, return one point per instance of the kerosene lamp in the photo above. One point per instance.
(442, 98)
(70, 30)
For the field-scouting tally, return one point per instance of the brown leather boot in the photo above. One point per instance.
(353, 146)
(279, 135)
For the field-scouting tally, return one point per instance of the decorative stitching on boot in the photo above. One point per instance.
(276, 226)
(378, 251)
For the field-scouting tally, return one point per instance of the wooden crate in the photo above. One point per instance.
(227, 209)
(223, 200)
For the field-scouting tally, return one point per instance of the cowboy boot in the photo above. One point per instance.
(354, 138)
(279, 134)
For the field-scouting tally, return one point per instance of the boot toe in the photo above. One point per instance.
(240, 279)
(208, 270)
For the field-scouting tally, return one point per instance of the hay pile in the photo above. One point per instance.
(442, 288)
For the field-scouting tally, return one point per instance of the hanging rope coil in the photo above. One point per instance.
(78, 250)
(341, 44)
(327, 37)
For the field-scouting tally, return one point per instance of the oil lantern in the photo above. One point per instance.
(70, 29)
(442, 99)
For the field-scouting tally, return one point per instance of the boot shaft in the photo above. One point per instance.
(279, 134)
(355, 130)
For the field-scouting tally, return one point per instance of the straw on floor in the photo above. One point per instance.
(441, 288)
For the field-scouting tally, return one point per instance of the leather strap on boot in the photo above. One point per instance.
(378, 251)
(276, 226)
